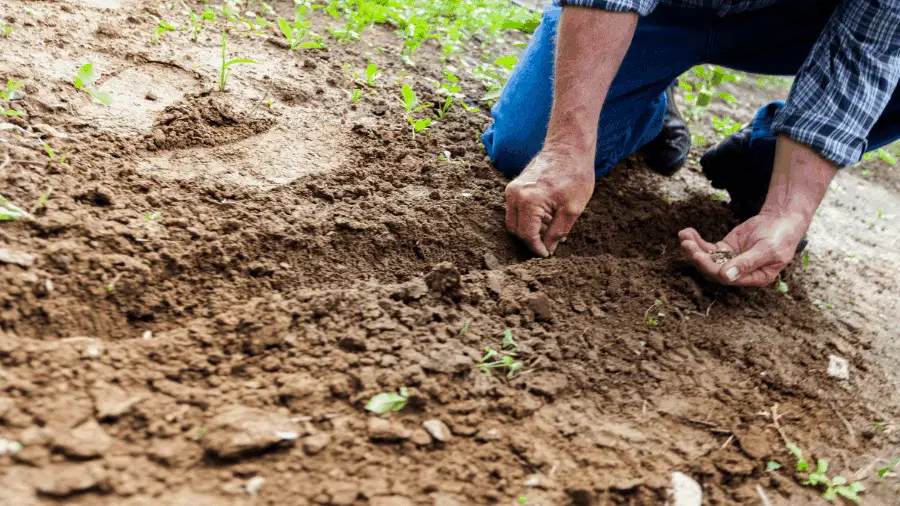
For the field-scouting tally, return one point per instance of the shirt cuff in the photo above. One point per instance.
(642, 7)
(823, 133)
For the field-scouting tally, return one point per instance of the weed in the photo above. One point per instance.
(223, 72)
(523, 499)
(410, 104)
(504, 357)
(84, 81)
(10, 211)
(888, 468)
(372, 73)
(152, 216)
(297, 31)
(8, 94)
(388, 401)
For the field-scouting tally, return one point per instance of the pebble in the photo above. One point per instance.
(253, 485)
(9, 447)
(314, 444)
(86, 441)
(241, 430)
(491, 262)
(838, 367)
(420, 437)
(438, 430)
(385, 431)
(20, 258)
(685, 491)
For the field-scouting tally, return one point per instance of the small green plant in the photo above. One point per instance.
(410, 104)
(464, 329)
(821, 304)
(152, 216)
(8, 94)
(162, 26)
(195, 22)
(5, 30)
(700, 86)
(41, 201)
(523, 499)
(354, 95)
(888, 468)
(372, 73)
(834, 487)
(388, 401)
(802, 464)
(507, 62)
(226, 63)
(724, 126)
(10, 211)
(84, 81)
(780, 285)
(505, 357)
(805, 259)
(772, 466)
(202, 432)
(652, 320)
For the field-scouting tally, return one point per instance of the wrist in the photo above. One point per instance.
(800, 180)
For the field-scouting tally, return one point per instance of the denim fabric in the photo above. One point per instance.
(667, 42)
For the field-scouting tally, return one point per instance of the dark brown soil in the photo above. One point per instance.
(216, 287)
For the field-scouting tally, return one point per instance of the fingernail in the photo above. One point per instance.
(553, 249)
(731, 274)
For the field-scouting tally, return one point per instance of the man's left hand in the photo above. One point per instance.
(762, 247)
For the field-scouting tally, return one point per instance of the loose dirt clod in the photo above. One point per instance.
(240, 430)
(86, 441)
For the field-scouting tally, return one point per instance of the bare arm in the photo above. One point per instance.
(543, 203)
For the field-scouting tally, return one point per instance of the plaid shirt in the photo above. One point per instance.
(845, 82)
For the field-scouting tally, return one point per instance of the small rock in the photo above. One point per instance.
(838, 367)
(491, 262)
(253, 485)
(541, 305)
(420, 437)
(352, 343)
(151, 96)
(62, 481)
(240, 430)
(596, 312)
(579, 306)
(685, 491)
(20, 258)
(538, 481)
(9, 447)
(390, 500)
(438, 430)
(486, 436)
(494, 284)
(314, 444)
(86, 441)
(388, 432)
(443, 278)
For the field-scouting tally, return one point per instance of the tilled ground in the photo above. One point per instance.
(216, 287)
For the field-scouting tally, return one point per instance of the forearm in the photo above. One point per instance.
(591, 46)
(800, 179)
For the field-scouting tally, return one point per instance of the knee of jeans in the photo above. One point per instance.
(508, 150)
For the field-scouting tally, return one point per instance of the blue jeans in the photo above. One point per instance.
(668, 42)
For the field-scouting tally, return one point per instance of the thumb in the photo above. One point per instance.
(743, 269)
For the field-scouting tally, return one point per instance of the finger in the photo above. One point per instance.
(689, 234)
(529, 230)
(701, 259)
(511, 210)
(560, 227)
(743, 270)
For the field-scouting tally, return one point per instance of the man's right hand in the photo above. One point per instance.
(543, 203)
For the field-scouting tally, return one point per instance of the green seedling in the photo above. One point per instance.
(195, 22)
(223, 72)
(834, 487)
(700, 86)
(41, 201)
(772, 466)
(202, 432)
(505, 357)
(354, 95)
(84, 81)
(8, 94)
(410, 104)
(10, 211)
(822, 304)
(888, 468)
(523, 499)
(53, 155)
(724, 126)
(162, 26)
(653, 319)
(805, 259)
(802, 464)
(464, 329)
(372, 73)
(5, 30)
(208, 15)
(388, 401)
(298, 30)
(780, 285)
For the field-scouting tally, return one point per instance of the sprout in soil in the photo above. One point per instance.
(388, 401)
(223, 72)
(410, 104)
(834, 487)
(888, 468)
(372, 73)
(298, 30)
(84, 81)
(10, 211)
(354, 95)
(503, 358)
(8, 94)
(41, 201)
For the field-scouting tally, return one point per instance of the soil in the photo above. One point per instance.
(215, 288)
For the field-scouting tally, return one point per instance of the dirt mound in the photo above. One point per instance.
(201, 339)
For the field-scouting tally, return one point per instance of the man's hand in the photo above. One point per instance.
(543, 203)
(762, 247)
(766, 243)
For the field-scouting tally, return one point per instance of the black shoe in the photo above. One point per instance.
(668, 152)
(730, 166)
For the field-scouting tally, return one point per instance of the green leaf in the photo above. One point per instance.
(830, 494)
(507, 62)
(14, 85)
(464, 329)
(817, 479)
(409, 97)
(422, 124)
(239, 60)
(371, 73)
(491, 95)
(781, 286)
(703, 99)
(727, 96)
(885, 470)
(103, 97)
(850, 493)
(85, 76)
(508, 339)
(13, 112)
(309, 45)
(385, 402)
(838, 480)
(286, 29)
(822, 466)
(805, 259)
(685, 85)
(772, 466)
